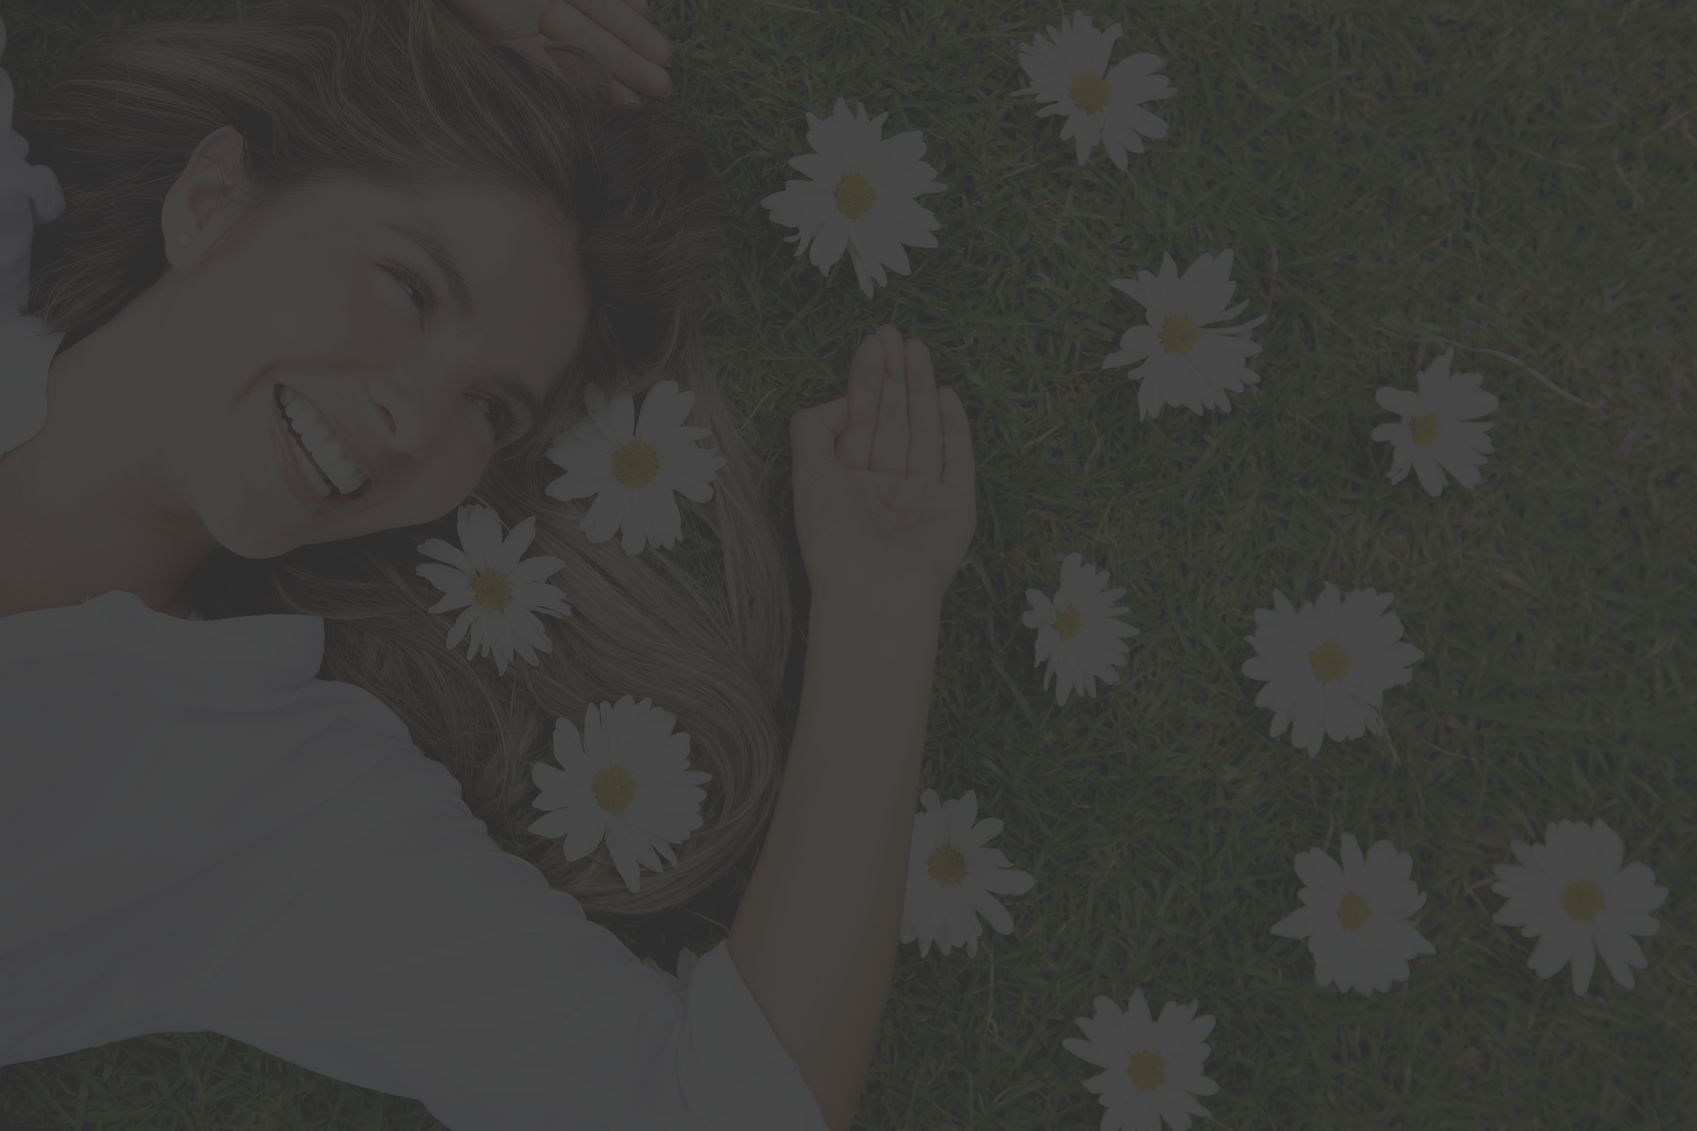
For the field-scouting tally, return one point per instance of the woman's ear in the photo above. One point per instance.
(202, 203)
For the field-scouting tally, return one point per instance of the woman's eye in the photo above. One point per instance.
(413, 284)
(499, 416)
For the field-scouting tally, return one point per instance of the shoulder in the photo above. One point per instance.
(353, 743)
(352, 713)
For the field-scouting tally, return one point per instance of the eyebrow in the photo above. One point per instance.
(462, 296)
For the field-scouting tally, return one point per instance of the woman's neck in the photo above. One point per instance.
(86, 502)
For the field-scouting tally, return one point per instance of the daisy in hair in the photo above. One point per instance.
(634, 466)
(501, 594)
(626, 781)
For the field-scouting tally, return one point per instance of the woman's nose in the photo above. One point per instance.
(407, 413)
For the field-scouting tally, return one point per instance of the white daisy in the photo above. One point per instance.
(626, 781)
(1327, 665)
(1153, 1067)
(1180, 358)
(859, 195)
(1066, 67)
(633, 466)
(1355, 918)
(951, 876)
(501, 595)
(1438, 431)
(1572, 891)
(1077, 632)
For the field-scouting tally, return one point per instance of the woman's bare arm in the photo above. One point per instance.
(885, 509)
(817, 931)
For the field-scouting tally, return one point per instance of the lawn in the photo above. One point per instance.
(1513, 179)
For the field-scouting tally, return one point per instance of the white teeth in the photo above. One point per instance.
(314, 478)
(330, 456)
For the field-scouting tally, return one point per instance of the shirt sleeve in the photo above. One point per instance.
(420, 959)
(29, 194)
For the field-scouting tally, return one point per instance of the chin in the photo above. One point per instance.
(248, 528)
(256, 545)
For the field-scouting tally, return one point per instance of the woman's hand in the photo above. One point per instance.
(616, 32)
(884, 479)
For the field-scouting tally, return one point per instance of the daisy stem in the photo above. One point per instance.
(816, 934)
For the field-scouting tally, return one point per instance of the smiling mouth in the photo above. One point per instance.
(336, 493)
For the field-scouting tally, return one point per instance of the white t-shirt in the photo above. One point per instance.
(198, 834)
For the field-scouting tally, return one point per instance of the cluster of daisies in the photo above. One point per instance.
(1324, 666)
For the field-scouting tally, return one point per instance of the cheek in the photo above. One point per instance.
(440, 486)
(238, 317)
(466, 474)
(205, 372)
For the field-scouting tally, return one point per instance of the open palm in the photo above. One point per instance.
(884, 479)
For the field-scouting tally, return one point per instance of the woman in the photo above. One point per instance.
(227, 711)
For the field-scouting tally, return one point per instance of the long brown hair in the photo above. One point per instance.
(401, 92)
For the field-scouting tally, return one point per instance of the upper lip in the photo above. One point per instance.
(339, 434)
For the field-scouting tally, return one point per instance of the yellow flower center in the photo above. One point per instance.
(947, 865)
(1353, 911)
(615, 789)
(636, 464)
(1146, 1070)
(492, 589)
(1424, 427)
(1178, 334)
(1069, 622)
(1090, 92)
(855, 196)
(1330, 662)
(1582, 900)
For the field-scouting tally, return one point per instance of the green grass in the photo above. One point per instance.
(1512, 177)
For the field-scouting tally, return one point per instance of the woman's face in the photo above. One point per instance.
(418, 378)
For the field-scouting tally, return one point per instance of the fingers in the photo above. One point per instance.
(889, 442)
(814, 433)
(897, 420)
(614, 31)
(925, 440)
(958, 460)
(628, 22)
(865, 383)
